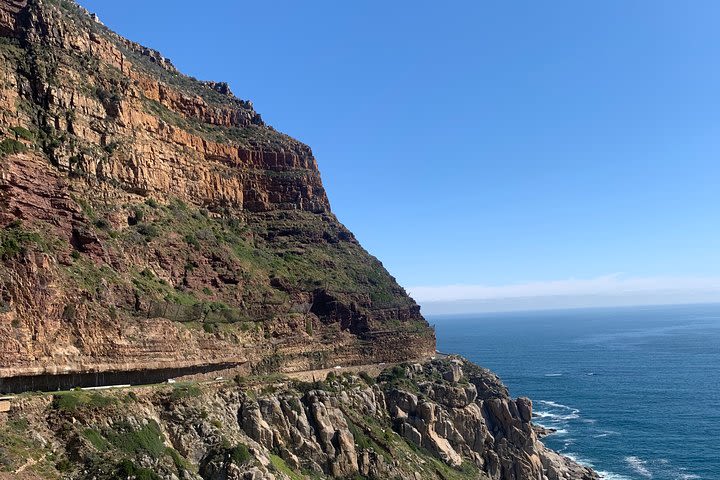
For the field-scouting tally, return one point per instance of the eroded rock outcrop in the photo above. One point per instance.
(409, 423)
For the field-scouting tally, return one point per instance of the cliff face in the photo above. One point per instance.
(446, 419)
(151, 221)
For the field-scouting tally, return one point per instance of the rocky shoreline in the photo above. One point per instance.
(444, 419)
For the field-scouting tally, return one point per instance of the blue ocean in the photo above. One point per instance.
(633, 392)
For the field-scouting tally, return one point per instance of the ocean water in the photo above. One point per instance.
(633, 392)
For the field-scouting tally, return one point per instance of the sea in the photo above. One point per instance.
(632, 392)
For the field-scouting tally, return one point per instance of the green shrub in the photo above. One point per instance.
(397, 372)
(240, 454)
(180, 463)
(102, 223)
(281, 466)
(95, 439)
(63, 465)
(127, 469)
(185, 391)
(19, 424)
(111, 147)
(361, 439)
(14, 241)
(367, 378)
(138, 214)
(148, 230)
(23, 133)
(131, 397)
(10, 146)
(72, 401)
(67, 402)
(148, 439)
(211, 327)
(192, 240)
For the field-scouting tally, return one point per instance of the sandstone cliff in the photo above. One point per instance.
(445, 419)
(154, 221)
(154, 226)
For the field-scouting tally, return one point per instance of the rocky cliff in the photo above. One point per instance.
(153, 221)
(443, 419)
(153, 226)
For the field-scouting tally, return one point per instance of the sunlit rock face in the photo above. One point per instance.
(407, 423)
(154, 221)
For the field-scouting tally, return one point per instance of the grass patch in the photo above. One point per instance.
(147, 439)
(75, 400)
(361, 440)
(10, 146)
(15, 241)
(239, 454)
(127, 469)
(181, 392)
(281, 466)
(24, 133)
(96, 439)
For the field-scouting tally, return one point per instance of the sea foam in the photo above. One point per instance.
(612, 476)
(639, 466)
(555, 416)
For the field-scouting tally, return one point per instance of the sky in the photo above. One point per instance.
(561, 152)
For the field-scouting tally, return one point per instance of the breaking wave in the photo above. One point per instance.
(639, 466)
(556, 416)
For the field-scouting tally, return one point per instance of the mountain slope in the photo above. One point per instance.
(152, 221)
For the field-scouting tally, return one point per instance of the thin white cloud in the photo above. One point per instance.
(615, 284)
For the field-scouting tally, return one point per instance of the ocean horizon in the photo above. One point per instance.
(633, 392)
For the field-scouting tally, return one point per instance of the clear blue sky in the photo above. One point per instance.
(478, 142)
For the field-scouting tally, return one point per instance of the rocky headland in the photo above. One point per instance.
(155, 229)
(440, 419)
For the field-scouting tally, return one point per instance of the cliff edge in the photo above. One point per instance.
(154, 223)
(153, 228)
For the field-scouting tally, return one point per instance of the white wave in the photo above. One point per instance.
(639, 465)
(612, 476)
(569, 442)
(550, 403)
(685, 476)
(553, 374)
(555, 416)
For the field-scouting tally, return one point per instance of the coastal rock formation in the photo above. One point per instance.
(409, 423)
(153, 221)
(154, 227)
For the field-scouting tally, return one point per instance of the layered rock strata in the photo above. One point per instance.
(153, 221)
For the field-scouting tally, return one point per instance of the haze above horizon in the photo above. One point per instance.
(487, 152)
